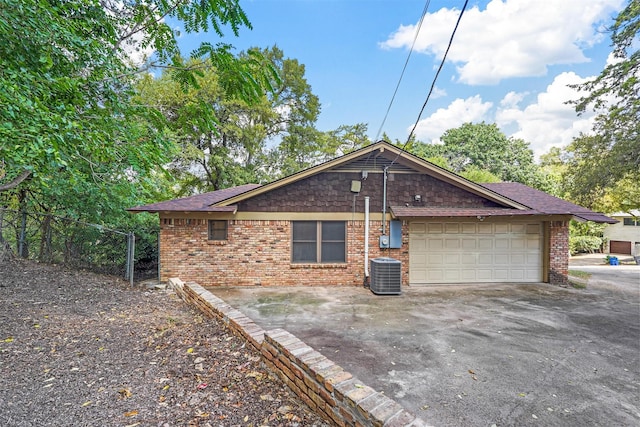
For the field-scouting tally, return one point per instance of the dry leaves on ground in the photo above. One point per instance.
(78, 348)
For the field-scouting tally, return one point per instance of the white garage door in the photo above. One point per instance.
(463, 252)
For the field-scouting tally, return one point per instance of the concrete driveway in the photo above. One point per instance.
(478, 355)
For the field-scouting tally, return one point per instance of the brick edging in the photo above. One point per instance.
(324, 386)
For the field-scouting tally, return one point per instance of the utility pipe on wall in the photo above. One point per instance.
(366, 237)
(384, 200)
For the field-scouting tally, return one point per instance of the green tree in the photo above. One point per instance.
(614, 96)
(224, 139)
(66, 75)
(308, 147)
(484, 147)
(472, 172)
(428, 151)
(587, 174)
(475, 174)
(622, 196)
(73, 139)
(586, 237)
(553, 166)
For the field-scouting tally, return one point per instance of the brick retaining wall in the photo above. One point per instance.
(333, 393)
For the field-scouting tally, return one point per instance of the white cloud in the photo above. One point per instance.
(510, 38)
(438, 93)
(512, 99)
(546, 122)
(456, 114)
(549, 121)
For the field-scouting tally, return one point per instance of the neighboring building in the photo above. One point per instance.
(310, 228)
(624, 237)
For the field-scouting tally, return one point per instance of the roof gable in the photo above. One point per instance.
(376, 157)
(508, 198)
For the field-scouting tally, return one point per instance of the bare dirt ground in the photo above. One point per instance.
(82, 349)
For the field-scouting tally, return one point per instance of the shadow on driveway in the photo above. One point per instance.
(507, 354)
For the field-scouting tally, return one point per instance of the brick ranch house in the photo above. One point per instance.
(310, 228)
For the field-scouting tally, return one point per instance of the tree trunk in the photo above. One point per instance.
(45, 240)
(5, 249)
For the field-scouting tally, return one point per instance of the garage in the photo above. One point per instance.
(462, 251)
(620, 247)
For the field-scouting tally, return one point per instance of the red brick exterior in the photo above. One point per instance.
(559, 252)
(258, 252)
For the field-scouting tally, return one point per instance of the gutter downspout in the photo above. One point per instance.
(366, 238)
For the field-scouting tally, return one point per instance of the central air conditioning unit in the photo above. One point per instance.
(386, 276)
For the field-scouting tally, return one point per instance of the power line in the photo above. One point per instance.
(433, 84)
(406, 63)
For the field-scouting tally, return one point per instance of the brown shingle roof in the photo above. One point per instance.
(538, 202)
(545, 203)
(425, 212)
(199, 202)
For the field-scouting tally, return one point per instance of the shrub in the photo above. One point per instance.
(581, 244)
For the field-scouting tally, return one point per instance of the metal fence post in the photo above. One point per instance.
(131, 250)
(127, 261)
(22, 242)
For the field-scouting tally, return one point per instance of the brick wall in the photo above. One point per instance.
(559, 252)
(259, 253)
(324, 386)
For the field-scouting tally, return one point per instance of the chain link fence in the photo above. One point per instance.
(53, 239)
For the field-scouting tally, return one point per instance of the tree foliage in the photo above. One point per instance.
(244, 142)
(74, 140)
(308, 147)
(66, 76)
(224, 140)
(622, 196)
(483, 152)
(585, 237)
(614, 96)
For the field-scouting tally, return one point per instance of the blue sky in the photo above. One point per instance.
(510, 62)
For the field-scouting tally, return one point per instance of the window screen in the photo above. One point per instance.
(217, 230)
(333, 241)
(319, 242)
(305, 241)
